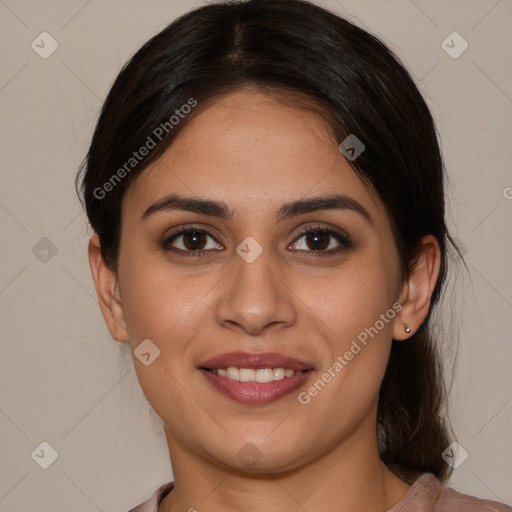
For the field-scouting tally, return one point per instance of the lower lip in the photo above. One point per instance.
(256, 392)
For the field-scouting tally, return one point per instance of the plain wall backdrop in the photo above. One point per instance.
(64, 381)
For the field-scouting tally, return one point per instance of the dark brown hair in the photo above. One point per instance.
(294, 49)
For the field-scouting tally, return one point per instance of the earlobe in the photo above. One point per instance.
(107, 290)
(416, 293)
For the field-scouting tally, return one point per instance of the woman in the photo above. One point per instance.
(265, 186)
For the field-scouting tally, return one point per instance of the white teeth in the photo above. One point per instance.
(259, 375)
(279, 373)
(264, 375)
(232, 373)
(247, 375)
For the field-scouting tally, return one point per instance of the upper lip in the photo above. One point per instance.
(254, 361)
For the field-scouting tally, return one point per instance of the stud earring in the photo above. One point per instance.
(407, 329)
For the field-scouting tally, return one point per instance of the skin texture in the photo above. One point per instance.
(254, 154)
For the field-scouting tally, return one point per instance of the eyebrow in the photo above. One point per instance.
(286, 211)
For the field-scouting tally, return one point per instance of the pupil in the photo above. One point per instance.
(319, 235)
(192, 235)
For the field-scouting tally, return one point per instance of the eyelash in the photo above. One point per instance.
(344, 240)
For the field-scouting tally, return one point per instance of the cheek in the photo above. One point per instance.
(166, 310)
(347, 386)
(358, 310)
(354, 297)
(157, 299)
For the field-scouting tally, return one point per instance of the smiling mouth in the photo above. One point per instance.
(255, 378)
(258, 386)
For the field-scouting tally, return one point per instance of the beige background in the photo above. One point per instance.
(63, 380)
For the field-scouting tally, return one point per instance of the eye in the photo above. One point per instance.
(318, 239)
(193, 240)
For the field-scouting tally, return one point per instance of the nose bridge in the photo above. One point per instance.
(256, 295)
(253, 275)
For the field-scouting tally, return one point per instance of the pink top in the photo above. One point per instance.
(427, 494)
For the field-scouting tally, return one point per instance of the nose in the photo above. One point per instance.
(256, 296)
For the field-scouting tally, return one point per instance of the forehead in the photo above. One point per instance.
(251, 151)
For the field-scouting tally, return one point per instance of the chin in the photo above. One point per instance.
(257, 457)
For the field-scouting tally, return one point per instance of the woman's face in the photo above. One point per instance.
(259, 287)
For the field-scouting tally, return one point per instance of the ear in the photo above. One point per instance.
(417, 290)
(107, 289)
